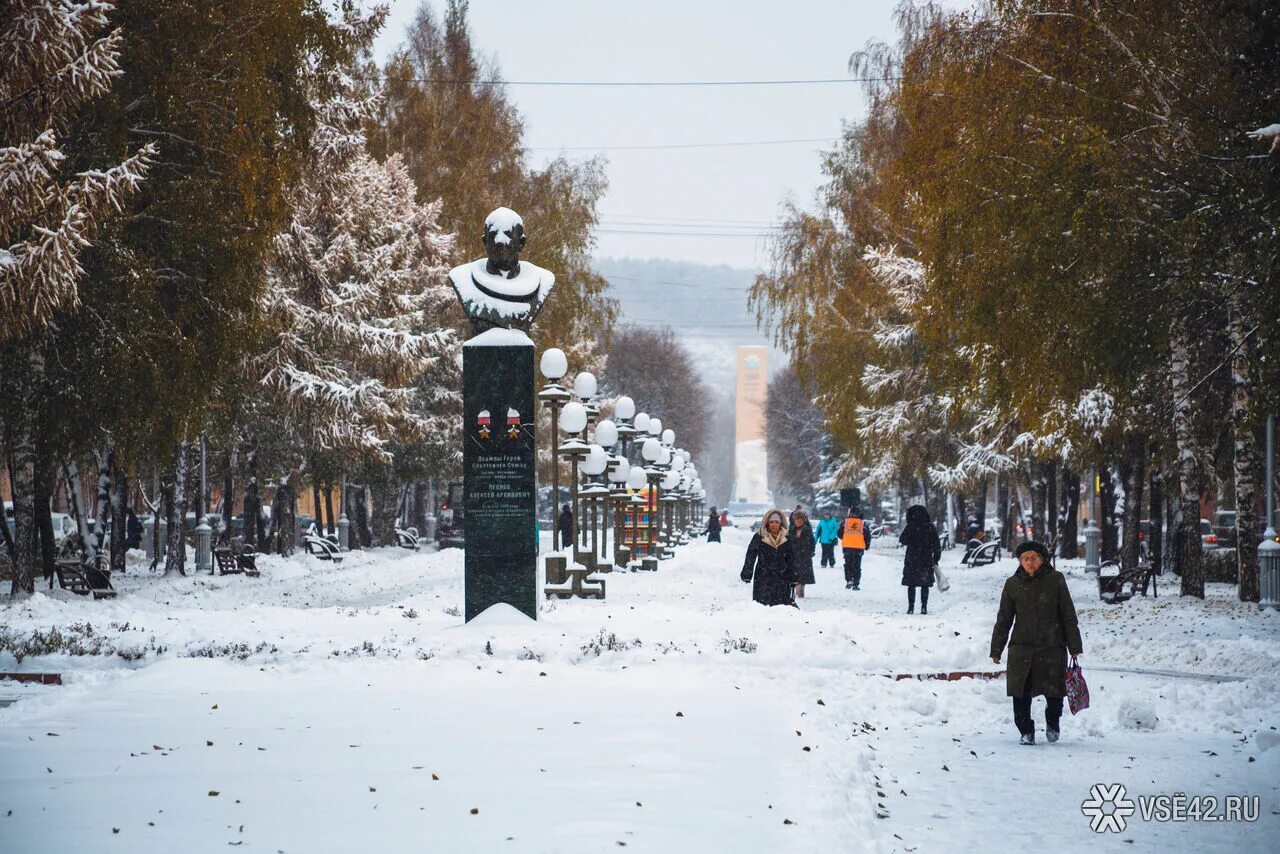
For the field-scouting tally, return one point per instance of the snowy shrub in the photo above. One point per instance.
(238, 651)
(410, 614)
(729, 644)
(602, 643)
(1220, 565)
(528, 655)
(77, 639)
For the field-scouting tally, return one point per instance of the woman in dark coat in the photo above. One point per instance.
(1037, 605)
(803, 545)
(920, 536)
(769, 562)
(713, 527)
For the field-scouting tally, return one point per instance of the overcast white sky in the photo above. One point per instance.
(710, 191)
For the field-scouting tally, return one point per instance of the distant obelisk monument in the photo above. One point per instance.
(501, 295)
(750, 454)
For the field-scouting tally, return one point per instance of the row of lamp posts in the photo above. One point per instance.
(610, 473)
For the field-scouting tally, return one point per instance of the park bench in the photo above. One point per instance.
(980, 554)
(322, 547)
(225, 561)
(246, 558)
(235, 559)
(83, 580)
(1116, 585)
(571, 580)
(407, 538)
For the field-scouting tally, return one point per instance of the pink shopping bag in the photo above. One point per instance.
(1077, 689)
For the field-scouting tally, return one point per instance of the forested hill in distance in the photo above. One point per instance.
(705, 305)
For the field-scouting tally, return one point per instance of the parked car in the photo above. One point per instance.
(1224, 528)
(62, 523)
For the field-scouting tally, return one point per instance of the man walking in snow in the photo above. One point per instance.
(853, 542)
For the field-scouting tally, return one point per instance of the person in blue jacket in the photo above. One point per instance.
(828, 536)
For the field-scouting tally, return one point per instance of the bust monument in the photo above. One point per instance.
(501, 291)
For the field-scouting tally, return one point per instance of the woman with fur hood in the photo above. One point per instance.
(770, 562)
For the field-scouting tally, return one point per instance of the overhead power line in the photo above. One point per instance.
(682, 145)
(637, 83)
(751, 234)
(695, 219)
(697, 285)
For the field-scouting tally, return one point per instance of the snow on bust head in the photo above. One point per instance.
(502, 223)
(500, 290)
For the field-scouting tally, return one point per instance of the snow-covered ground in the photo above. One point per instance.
(323, 708)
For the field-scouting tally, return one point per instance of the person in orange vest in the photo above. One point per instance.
(853, 542)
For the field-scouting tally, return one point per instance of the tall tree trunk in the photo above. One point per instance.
(79, 509)
(158, 509)
(1157, 519)
(228, 496)
(420, 508)
(1002, 501)
(1070, 514)
(1190, 454)
(382, 486)
(44, 514)
(1035, 482)
(316, 500)
(102, 511)
(1133, 476)
(22, 447)
(1051, 500)
(360, 503)
(281, 523)
(252, 500)
(119, 516)
(175, 559)
(330, 522)
(1107, 511)
(1245, 452)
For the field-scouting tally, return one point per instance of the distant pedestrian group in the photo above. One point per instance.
(1036, 619)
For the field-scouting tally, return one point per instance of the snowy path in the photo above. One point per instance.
(783, 716)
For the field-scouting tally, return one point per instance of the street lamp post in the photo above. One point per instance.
(554, 366)
(606, 436)
(636, 482)
(584, 386)
(670, 483)
(652, 453)
(624, 410)
(593, 467)
(573, 421)
(641, 424)
(617, 474)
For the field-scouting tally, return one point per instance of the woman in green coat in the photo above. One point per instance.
(1037, 605)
